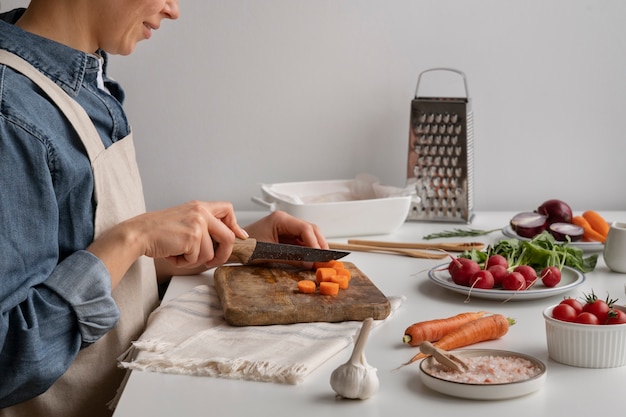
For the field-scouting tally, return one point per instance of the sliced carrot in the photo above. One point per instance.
(330, 264)
(597, 222)
(433, 330)
(344, 272)
(324, 274)
(318, 265)
(589, 234)
(336, 264)
(306, 286)
(479, 330)
(342, 280)
(329, 288)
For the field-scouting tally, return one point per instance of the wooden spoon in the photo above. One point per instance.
(398, 251)
(447, 246)
(443, 357)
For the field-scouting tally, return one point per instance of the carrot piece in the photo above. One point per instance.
(344, 272)
(324, 274)
(597, 222)
(589, 233)
(433, 330)
(330, 264)
(306, 286)
(479, 330)
(318, 265)
(329, 288)
(341, 280)
(336, 264)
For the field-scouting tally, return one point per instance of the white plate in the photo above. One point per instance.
(484, 391)
(585, 246)
(570, 279)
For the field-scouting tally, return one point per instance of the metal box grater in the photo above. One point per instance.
(440, 157)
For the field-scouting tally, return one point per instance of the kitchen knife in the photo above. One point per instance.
(252, 251)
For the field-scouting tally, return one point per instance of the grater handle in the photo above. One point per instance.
(443, 69)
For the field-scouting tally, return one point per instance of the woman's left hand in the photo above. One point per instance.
(280, 227)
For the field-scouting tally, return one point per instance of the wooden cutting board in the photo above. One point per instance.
(254, 295)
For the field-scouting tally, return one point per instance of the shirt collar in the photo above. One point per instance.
(66, 66)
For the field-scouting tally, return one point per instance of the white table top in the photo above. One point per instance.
(567, 388)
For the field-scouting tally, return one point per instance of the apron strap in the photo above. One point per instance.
(76, 115)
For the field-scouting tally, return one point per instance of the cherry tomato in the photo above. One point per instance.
(598, 308)
(616, 316)
(578, 306)
(564, 312)
(587, 318)
(550, 276)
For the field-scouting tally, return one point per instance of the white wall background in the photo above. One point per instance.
(242, 92)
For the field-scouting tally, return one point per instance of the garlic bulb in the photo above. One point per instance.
(356, 379)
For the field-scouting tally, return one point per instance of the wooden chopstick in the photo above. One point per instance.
(398, 251)
(447, 246)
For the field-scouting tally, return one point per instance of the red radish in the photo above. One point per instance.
(529, 224)
(557, 211)
(561, 231)
(496, 260)
(482, 279)
(462, 269)
(529, 274)
(550, 276)
(514, 281)
(498, 272)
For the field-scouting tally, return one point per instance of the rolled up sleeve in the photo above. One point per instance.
(84, 282)
(42, 335)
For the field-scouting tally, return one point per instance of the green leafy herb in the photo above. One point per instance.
(541, 251)
(460, 233)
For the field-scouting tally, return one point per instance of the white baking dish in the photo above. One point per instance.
(337, 206)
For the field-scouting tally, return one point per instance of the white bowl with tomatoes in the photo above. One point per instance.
(588, 334)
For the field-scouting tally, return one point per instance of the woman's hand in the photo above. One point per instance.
(191, 237)
(281, 227)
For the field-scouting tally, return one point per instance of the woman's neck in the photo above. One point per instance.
(65, 25)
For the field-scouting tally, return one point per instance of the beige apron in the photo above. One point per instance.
(93, 378)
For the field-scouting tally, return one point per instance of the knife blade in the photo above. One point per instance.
(250, 250)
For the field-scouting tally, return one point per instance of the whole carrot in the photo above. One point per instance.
(597, 222)
(589, 233)
(433, 330)
(479, 330)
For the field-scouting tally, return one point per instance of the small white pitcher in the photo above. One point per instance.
(615, 247)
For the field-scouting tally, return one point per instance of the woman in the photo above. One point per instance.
(80, 258)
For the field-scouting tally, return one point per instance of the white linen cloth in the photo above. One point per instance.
(188, 335)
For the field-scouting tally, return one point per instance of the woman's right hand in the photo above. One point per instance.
(193, 236)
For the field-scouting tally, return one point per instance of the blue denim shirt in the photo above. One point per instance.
(55, 297)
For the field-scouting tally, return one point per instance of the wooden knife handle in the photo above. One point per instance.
(242, 250)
